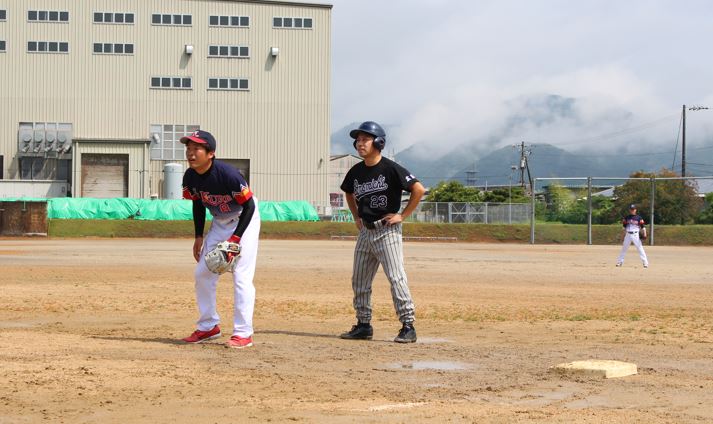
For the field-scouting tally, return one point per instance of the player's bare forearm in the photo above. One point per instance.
(197, 247)
(417, 191)
(351, 202)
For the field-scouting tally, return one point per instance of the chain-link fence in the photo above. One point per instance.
(604, 201)
(471, 213)
(452, 213)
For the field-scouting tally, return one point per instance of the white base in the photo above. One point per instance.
(598, 367)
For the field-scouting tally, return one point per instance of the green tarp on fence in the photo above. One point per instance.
(173, 210)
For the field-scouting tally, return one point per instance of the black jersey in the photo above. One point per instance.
(222, 189)
(378, 188)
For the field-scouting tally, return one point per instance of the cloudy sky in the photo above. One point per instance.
(461, 70)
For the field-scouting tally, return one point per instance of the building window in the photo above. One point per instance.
(229, 21)
(2, 46)
(113, 48)
(182, 20)
(166, 141)
(231, 84)
(177, 83)
(3, 15)
(229, 51)
(113, 18)
(291, 23)
(47, 47)
(47, 16)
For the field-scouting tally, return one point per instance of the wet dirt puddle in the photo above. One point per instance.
(430, 365)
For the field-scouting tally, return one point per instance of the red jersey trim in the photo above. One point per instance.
(243, 196)
(187, 194)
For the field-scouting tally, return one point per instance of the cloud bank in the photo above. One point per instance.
(449, 72)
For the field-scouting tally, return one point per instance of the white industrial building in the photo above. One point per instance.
(339, 165)
(96, 94)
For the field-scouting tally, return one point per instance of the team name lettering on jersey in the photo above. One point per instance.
(219, 200)
(373, 186)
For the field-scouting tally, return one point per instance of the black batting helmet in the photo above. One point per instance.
(370, 127)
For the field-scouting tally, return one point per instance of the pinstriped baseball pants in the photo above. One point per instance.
(383, 245)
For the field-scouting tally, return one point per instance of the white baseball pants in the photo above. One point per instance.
(243, 289)
(632, 237)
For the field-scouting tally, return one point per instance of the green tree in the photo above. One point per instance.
(453, 191)
(558, 200)
(501, 195)
(676, 201)
(602, 210)
(706, 216)
(576, 212)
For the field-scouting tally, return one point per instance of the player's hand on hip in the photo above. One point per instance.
(197, 247)
(392, 219)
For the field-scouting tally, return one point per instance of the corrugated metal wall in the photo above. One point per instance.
(281, 125)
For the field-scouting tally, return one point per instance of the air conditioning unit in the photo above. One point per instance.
(50, 137)
(39, 137)
(24, 137)
(64, 137)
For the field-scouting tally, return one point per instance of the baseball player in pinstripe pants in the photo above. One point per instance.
(373, 191)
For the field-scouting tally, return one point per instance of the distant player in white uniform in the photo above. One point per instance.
(634, 232)
(219, 187)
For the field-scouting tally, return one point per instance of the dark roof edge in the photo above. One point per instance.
(284, 3)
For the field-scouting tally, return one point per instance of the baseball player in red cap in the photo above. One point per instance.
(219, 187)
(634, 232)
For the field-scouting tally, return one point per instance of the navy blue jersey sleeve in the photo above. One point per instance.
(240, 191)
(198, 217)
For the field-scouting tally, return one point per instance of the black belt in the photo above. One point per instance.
(633, 232)
(371, 225)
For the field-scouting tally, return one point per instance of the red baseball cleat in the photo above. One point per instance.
(199, 336)
(238, 342)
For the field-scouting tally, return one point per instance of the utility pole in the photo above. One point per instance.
(683, 135)
(523, 165)
(683, 142)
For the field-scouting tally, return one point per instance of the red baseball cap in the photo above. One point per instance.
(201, 137)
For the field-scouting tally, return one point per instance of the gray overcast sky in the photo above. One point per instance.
(458, 69)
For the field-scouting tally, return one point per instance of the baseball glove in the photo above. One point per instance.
(223, 257)
(642, 236)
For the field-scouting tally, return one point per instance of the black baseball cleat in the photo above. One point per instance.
(361, 331)
(407, 334)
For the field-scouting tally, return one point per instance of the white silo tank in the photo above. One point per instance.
(172, 181)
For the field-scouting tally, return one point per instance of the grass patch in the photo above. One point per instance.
(579, 317)
(545, 233)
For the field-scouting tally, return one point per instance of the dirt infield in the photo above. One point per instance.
(89, 329)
